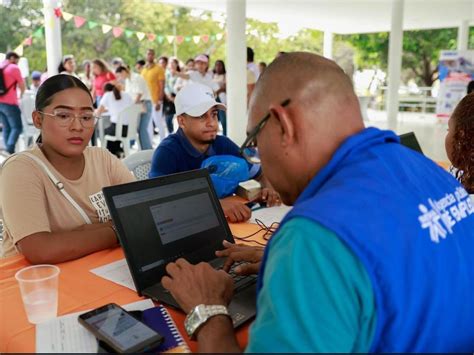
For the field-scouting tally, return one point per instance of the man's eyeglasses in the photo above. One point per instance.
(65, 118)
(249, 149)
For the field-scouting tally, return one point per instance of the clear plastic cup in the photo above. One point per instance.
(39, 291)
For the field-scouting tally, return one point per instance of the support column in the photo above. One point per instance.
(52, 29)
(236, 64)
(328, 44)
(463, 36)
(394, 62)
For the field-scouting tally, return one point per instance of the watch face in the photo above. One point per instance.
(193, 317)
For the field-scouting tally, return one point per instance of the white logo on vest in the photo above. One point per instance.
(442, 215)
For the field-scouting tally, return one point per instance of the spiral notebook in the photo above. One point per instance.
(160, 320)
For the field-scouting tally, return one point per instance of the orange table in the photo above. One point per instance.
(79, 290)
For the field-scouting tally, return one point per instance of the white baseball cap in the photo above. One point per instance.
(195, 100)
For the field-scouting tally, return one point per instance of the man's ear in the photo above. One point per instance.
(181, 121)
(37, 119)
(285, 123)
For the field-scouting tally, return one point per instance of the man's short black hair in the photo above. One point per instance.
(140, 62)
(12, 55)
(250, 55)
(121, 69)
(470, 87)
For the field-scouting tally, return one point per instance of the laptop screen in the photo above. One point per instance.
(162, 220)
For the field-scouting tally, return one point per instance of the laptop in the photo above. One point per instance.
(409, 140)
(170, 217)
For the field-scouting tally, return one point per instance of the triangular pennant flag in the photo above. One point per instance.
(28, 41)
(161, 39)
(19, 50)
(179, 39)
(67, 16)
(92, 24)
(140, 35)
(117, 31)
(219, 36)
(79, 21)
(196, 39)
(170, 39)
(213, 38)
(106, 28)
(188, 39)
(38, 33)
(128, 33)
(151, 36)
(205, 38)
(57, 12)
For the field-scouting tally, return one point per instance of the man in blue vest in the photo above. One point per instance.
(375, 256)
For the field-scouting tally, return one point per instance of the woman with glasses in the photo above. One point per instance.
(53, 207)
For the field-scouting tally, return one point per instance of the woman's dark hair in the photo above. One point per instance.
(215, 67)
(55, 84)
(463, 142)
(189, 61)
(176, 61)
(114, 89)
(66, 59)
(52, 86)
(102, 65)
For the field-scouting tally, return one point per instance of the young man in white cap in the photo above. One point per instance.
(197, 139)
(200, 74)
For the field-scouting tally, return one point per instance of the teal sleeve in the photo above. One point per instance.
(316, 295)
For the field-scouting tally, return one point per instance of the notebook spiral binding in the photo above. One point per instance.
(174, 330)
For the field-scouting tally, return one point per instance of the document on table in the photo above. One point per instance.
(117, 272)
(66, 335)
(269, 215)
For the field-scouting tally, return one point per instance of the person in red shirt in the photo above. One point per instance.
(10, 113)
(102, 76)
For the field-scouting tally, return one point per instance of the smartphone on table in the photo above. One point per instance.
(120, 330)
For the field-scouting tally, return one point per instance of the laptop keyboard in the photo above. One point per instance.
(241, 281)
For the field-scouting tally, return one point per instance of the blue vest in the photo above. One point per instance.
(412, 226)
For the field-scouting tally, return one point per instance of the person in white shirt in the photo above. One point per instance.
(68, 66)
(250, 64)
(114, 101)
(136, 86)
(35, 81)
(200, 74)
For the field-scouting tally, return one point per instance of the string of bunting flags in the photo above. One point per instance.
(117, 31)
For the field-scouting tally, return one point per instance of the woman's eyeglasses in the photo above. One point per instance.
(65, 118)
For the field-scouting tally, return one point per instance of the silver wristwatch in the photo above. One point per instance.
(200, 315)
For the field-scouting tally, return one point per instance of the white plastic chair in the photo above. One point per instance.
(139, 163)
(133, 114)
(27, 106)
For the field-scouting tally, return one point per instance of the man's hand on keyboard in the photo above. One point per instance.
(238, 252)
(192, 285)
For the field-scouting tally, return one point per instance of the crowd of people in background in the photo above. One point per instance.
(150, 82)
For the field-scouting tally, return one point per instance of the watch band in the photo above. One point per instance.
(116, 233)
(200, 315)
